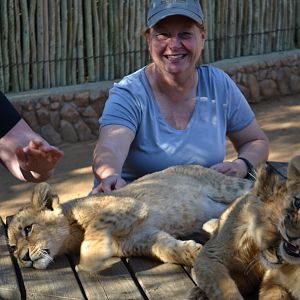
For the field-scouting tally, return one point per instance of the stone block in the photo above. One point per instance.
(268, 88)
(294, 84)
(89, 113)
(68, 132)
(49, 133)
(82, 99)
(254, 88)
(55, 119)
(69, 113)
(43, 116)
(83, 131)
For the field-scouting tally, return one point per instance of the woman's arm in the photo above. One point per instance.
(250, 143)
(27, 155)
(109, 155)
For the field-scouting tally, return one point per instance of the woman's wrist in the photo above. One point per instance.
(242, 167)
(249, 170)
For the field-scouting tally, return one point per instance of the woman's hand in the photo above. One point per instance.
(236, 168)
(109, 184)
(38, 158)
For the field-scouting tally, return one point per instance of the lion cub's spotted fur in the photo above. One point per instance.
(144, 218)
(257, 242)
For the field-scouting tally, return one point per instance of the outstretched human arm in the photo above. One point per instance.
(250, 143)
(109, 155)
(27, 155)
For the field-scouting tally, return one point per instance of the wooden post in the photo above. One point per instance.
(297, 14)
(96, 34)
(52, 42)
(25, 45)
(232, 28)
(58, 42)
(46, 45)
(80, 45)
(12, 47)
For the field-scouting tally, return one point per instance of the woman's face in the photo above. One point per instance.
(175, 44)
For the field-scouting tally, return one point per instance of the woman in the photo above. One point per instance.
(22, 151)
(173, 112)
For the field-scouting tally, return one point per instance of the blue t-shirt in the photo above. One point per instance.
(220, 108)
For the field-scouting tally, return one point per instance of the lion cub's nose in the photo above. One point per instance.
(26, 257)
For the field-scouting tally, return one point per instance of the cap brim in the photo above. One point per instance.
(172, 12)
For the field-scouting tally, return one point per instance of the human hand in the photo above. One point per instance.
(38, 158)
(235, 168)
(109, 184)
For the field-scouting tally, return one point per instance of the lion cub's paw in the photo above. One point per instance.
(96, 267)
(211, 226)
(93, 255)
(190, 252)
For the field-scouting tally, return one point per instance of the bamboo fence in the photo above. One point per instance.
(49, 43)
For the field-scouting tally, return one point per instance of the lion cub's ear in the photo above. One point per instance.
(43, 197)
(294, 171)
(266, 184)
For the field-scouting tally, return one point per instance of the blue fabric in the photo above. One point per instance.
(220, 108)
(9, 117)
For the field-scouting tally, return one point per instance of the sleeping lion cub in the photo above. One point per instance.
(257, 242)
(144, 218)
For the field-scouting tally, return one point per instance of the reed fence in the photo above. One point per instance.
(49, 43)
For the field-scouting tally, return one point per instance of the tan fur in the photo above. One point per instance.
(243, 254)
(144, 218)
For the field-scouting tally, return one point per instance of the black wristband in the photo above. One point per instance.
(250, 169)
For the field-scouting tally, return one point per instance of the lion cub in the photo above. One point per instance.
(257, 242)
(144, 218)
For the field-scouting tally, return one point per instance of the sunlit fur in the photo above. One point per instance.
(242, 254)
(283, 282)
(145, 218)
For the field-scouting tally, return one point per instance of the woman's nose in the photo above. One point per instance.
(174, 42)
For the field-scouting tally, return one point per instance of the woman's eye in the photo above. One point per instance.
(27, 229)
(296, 203)
(162, 36)
(184, 35)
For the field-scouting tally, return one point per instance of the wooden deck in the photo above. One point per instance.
(132, 278)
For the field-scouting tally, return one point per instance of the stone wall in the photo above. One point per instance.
(265, 76)
(64, 115)
(70, 114)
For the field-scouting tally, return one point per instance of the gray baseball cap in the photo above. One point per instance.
(160, 9)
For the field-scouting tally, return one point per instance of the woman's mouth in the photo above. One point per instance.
(174, 57)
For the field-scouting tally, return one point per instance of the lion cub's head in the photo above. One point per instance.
(289, 226)
(37, 232)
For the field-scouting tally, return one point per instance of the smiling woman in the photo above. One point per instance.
(172, 111)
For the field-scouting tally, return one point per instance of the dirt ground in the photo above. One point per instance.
(280, 119)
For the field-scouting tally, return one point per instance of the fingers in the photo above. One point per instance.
(45, 147)
(120, 183)
(39, 150)
(96, 190)
(226, 168)
(109, 184)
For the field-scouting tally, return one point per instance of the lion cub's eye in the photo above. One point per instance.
(296, 203)
(27, 230)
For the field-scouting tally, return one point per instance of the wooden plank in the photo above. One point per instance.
(113, 283)
(279, 168)
(9, 287)
(161, 281)
(56, 282)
